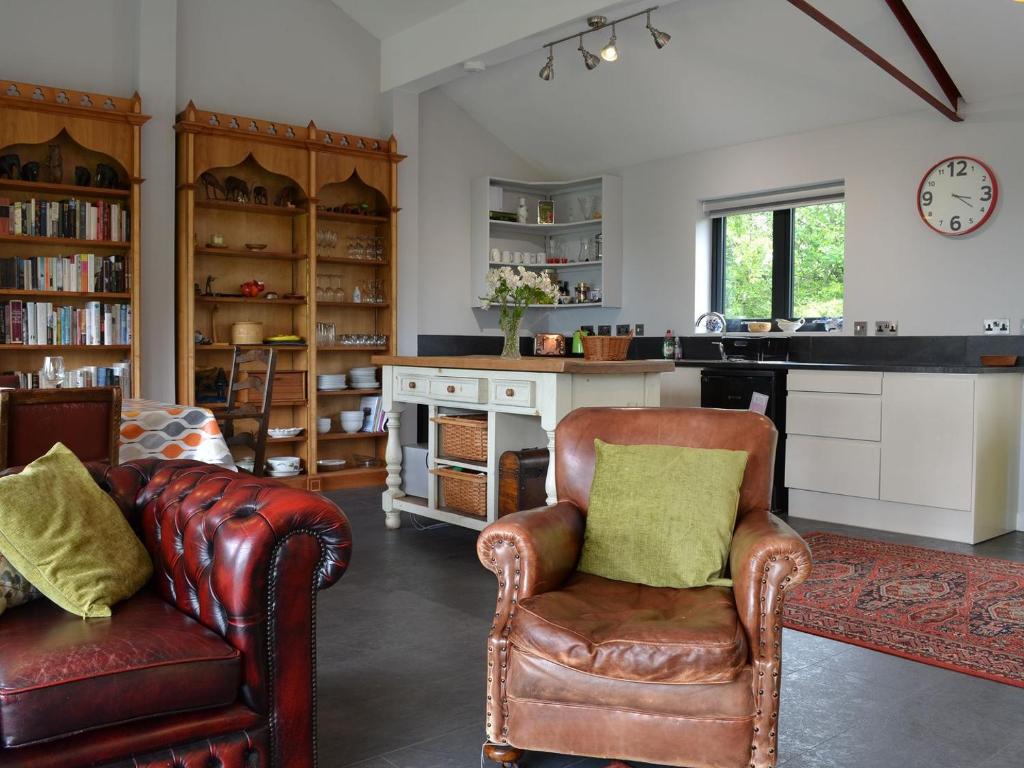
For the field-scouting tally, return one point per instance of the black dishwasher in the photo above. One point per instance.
(732, 386)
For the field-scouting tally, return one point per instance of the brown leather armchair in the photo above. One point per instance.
(583, 665)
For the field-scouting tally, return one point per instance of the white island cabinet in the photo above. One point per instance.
(523, 401)
(931, 454)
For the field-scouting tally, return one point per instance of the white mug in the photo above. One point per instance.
(506, 257)
(517, 257)
(495, 254)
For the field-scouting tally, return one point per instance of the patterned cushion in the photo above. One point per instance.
(14, 589)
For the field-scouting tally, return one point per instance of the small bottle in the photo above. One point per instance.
(668, 348)
(679, 348)
(522, 214)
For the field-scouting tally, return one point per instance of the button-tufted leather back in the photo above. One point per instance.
(691, 427)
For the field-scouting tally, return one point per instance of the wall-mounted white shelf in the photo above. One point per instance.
(532, 237)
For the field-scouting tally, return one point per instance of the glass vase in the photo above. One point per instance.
(510, 319)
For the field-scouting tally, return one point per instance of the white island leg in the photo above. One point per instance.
(393, 457)
(549, 481)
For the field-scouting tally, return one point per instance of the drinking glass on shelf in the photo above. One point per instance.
(53, 371)
(321, 287)
(337, 293)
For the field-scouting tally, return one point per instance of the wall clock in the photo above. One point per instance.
(957, 195)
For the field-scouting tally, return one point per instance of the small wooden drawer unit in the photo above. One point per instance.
(289, 387)
(512, 393)
(458, 389)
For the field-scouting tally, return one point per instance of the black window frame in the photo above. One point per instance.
(783, 233)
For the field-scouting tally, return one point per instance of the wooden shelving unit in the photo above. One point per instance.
(88, 129)
(326, 170)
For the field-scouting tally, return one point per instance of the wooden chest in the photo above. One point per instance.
(521, 477)
(289, 387)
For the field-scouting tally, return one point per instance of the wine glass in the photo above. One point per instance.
(53, 370)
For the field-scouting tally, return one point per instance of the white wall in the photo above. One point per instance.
(897, 268)
(454, 150)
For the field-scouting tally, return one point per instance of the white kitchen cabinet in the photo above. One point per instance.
(945, 461)
(928, 440)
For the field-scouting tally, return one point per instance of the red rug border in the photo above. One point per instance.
(893, 651)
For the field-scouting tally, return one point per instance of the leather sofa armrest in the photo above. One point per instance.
(767, 558)
(245, 556)
(536, 549)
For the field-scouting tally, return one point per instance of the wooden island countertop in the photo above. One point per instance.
(532, 364)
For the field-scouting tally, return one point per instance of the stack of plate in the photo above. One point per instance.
(330, 381)
(364, 378)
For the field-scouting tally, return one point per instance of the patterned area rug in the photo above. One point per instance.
(960, 612)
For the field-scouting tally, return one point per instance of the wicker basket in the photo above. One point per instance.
(464, 437)
(606, 347)
(464, 492)
(246, 333)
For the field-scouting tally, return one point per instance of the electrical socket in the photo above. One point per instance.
(639, 329)
(622, 329)
(886, 327)
(860, 327)
(996, 326)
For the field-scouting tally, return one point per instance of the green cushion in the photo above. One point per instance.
(662, 515)
(68, 538)
(14, 588)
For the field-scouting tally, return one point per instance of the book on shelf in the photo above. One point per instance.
(80, 272)
(373, 413)
(40, 322)
(116, 375)
(72, 218)
(5, 216)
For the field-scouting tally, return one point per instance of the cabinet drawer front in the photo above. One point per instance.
(463, 390)
(851, 382)
(830, 465)
(827, 414)
(413, 385)
(512, 393)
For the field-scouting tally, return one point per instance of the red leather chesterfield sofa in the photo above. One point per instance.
(213, 665)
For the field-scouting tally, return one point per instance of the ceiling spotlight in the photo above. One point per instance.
(589, 60)
(660, 38)
(610, 52)
(547, 72)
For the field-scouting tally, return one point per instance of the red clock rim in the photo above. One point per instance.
(983, 219)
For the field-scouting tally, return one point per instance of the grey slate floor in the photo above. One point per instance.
(401, 669)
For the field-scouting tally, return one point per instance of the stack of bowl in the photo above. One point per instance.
(351, 421)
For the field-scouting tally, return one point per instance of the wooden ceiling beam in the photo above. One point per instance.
(924, 48)
(872, 55)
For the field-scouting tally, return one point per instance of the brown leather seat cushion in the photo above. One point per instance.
(60, 674)
(634, 632)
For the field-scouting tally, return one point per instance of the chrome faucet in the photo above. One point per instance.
(714, 319)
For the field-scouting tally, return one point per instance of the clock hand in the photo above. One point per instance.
(963, 199)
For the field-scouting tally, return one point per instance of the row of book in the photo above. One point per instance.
(374, 416)
(82, 272)
(73, 218)
(40, 322)
(116, 375)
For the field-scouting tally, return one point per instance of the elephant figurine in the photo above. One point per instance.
(106, 176)
(10, 167)
(30, 171)
(56, 164)
(83, 176)
(259, 195)
(287, 197)
(213, 186)
(237, 189)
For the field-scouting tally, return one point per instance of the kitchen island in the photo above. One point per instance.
(523, 401)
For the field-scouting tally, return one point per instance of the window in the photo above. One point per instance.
(786, 262)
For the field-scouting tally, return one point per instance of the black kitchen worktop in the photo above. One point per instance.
(788, 365)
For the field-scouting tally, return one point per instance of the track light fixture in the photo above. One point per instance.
(589, 60)
(610, 52)
(547, 72)
(660, 38)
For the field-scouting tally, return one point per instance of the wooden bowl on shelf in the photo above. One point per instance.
(999, 361)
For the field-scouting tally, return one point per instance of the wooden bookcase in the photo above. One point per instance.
(327, 170)
(88, 128)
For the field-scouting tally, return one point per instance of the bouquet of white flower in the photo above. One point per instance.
(512, 291)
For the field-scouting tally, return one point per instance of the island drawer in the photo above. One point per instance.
(458, 389)
(512, 392)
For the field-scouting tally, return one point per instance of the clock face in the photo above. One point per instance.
(957, 195)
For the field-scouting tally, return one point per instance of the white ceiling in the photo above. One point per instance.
(384, 18)
(735, 71)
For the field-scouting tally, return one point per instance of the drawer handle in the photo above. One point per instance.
(412, 385)
(510, 392)
(451, 389)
